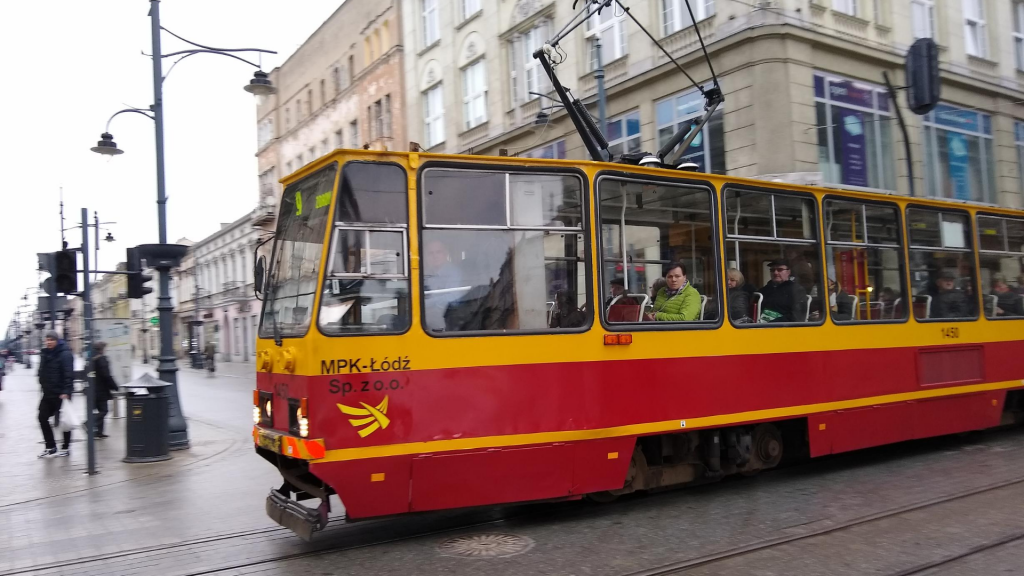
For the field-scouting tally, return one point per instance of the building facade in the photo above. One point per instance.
(341, 89)
(802, 81)
(215, 290)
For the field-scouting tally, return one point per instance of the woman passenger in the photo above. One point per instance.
(678, 301)
(739, 299)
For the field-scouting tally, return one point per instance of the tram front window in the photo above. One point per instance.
(295, 260)
(366, 287)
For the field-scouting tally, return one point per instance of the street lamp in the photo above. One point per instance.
(164, 257)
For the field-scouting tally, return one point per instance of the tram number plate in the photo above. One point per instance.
(269, 440)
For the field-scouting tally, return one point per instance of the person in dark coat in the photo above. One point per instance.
(1009, 303)
(739, 299)
(950, 302)
(56, 377)
(104, 383)
(784, 299)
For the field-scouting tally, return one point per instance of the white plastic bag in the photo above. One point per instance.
(70, 416)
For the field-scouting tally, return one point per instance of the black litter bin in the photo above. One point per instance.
(147, 420)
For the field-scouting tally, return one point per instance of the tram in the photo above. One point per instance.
(443, 331)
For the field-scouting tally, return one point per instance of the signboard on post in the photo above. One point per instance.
(116, 332)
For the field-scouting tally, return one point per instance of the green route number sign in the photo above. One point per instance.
(154, 321)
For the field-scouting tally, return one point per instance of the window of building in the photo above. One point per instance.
(370, 124)
(267, 181)
(433, 116)
(645, 226)
(298, 110)
(474, 94)
(959, 162)
(922, 18)
(503, 252)
(264, 132)
(772, 242)
(554, 150)
(431, 28)
(975, 42)
(675, 16)
(366, 288)
(324, 147)
(378, 119)
(469, 8)
(312, 153)
(353, 134)
(845, 6)
(707, 149)
(624, 134)
(609, 27)
(288, 167)
(854, 133)
(336, 78)
(864, 261)
(287, 118)
(1001, 251)
(942, 275)
(351, 69)
(1018, 34)
(309, 102)
(339, 138)
(527, 75)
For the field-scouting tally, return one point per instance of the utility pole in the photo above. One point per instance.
(87, 344)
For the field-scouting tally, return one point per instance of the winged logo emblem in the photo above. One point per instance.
(374, 417)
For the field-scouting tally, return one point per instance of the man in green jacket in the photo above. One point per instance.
(678, 301)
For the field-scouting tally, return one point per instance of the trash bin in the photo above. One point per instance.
(147, 420)
(197, 359)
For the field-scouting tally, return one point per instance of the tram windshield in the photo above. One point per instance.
(295, 261)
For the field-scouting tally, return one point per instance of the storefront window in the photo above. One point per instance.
(959, 162)
(854, 133)
(707, 150)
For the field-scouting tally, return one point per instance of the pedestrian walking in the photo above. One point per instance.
(209, 352)
(56, 377)
(104, 384)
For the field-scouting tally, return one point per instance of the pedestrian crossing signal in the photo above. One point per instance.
(65, 274)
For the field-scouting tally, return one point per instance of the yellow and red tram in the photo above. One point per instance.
(447, 331)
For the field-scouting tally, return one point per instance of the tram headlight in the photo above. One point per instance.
(256, 414)
(303, 423)
(298, 416)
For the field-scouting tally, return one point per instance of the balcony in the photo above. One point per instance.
(266, 211)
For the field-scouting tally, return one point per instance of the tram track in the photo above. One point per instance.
(975, 550)
(683, 566)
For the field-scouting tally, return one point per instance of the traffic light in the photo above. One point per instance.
(65, 273)
(136, 279)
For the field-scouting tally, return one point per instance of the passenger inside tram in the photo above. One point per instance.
(950, 300)
(839, 302)
(739, 298)
(678, 301)
(784, 299)
(442, 281)
(1007, 302)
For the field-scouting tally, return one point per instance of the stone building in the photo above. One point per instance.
(341, 89)
(216, 278)
(802, 81)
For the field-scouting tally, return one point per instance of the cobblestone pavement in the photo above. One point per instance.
(942, 506)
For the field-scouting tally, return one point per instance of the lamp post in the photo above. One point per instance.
(170, 256)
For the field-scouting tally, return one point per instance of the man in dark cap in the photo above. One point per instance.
(950, 301)
(784, 299)
(56, 367)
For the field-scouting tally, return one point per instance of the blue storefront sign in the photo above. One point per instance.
(959, 164)
(853, 150)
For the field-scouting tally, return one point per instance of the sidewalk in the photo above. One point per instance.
(51, 511)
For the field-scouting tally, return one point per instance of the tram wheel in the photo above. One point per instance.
(768, 445)
(602, 497)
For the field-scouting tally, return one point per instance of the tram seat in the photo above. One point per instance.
(755, 306)
(897, 308)
(922, 306)
(625, 313)
(703, 305)
(871, 311)
(807, 308)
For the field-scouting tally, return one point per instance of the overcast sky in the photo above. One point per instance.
(73, 63)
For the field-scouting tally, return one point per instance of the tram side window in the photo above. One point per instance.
(646, 227)
(366, 288)
(502, 252)
(1001, 251)
(773, 258)
(942, 271)
(864, 261)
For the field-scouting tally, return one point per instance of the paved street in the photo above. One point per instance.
(895, 510)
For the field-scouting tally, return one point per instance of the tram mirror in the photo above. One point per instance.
(258, 272)
(923, 82)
